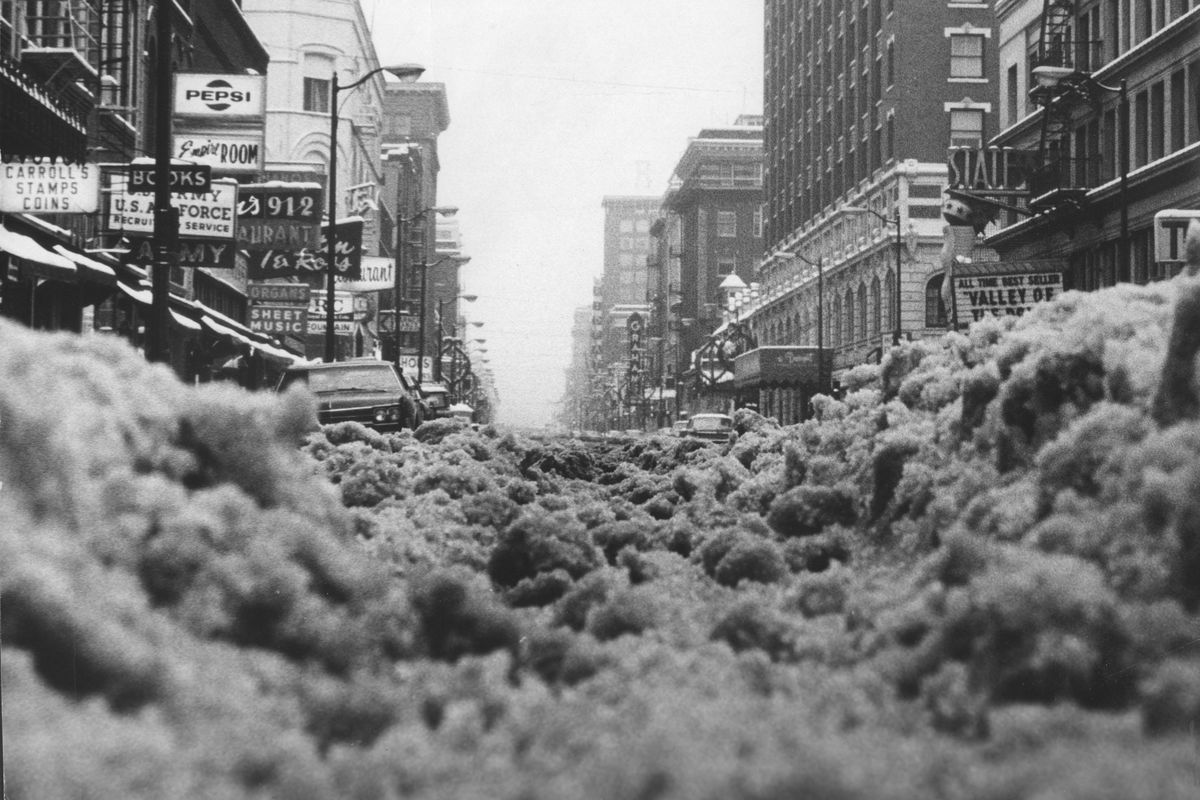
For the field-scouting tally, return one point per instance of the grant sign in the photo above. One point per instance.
(1008, 295)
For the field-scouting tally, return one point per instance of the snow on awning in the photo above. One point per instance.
(43, 262)
(142, 296)
(90, 266)
(183, 321)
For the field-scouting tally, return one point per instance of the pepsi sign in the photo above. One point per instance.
(224, 96)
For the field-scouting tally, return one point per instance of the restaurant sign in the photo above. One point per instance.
(49, 186)
(282, 262)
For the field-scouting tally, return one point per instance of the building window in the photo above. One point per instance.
(1013, 96)
(726, 265)
(397, 125)
(316, 95)
(849, 318)
(966, 127)
(758, 222)
(318, 72)
(966, 55)
(727, 224)
(935, 309)
(875, 308)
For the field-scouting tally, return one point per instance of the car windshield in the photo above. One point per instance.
(711, 423)
(350, 379)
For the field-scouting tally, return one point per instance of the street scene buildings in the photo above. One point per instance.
(913, 161)
(287, 126)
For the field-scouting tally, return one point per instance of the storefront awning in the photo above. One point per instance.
(88, 267)
(184, 322)
(142, 296)
(39, 260)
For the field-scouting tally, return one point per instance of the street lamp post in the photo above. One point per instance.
(402, 71)
(166, 217)
(897, 327)
(820, 265)
(402, 233)
(458, 259)
(441, 303)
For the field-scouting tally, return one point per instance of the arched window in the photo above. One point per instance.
(849, 334)
(876, 308)
(862, 311)
(935, 309)
(835, 323)
(889, 300)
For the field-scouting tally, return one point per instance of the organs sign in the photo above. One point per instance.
(212, 215)
(979, 296)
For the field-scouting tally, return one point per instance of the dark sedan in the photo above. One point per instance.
(365, 391)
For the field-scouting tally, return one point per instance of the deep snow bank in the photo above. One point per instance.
(977, 576)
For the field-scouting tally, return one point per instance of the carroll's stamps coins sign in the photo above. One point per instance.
(47, 186)
(223, 96)
(279, 319)
(279, 216)
(212, 215)
(979, 296)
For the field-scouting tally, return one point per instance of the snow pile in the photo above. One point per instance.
(975, 576)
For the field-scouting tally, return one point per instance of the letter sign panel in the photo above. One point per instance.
(185, 178)
(212, 215)
(226, 152)
(49, 187)
(224, 96)
(279, 216)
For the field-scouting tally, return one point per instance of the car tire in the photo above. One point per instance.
(408, 413)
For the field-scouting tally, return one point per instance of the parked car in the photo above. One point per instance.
(679, 427)
(712, 427)
(437, 399)
(361, 390)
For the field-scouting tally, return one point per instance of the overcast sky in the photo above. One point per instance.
(553, 105)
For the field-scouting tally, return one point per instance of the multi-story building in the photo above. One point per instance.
(715, 207)
(298, 116)
(80, 82)
(415, 114)
(623, 292)
(862, 101)
(1102, 100)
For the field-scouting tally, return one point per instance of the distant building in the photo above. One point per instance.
(716, 202)
(862, 101)
(416, 113)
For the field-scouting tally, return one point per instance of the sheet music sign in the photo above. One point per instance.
(311, 261)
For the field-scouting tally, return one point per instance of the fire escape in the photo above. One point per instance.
(1068, 165)
(81, 52)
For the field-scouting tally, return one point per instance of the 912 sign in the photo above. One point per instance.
(279, 216)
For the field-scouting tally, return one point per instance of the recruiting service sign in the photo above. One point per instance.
(212, 215)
